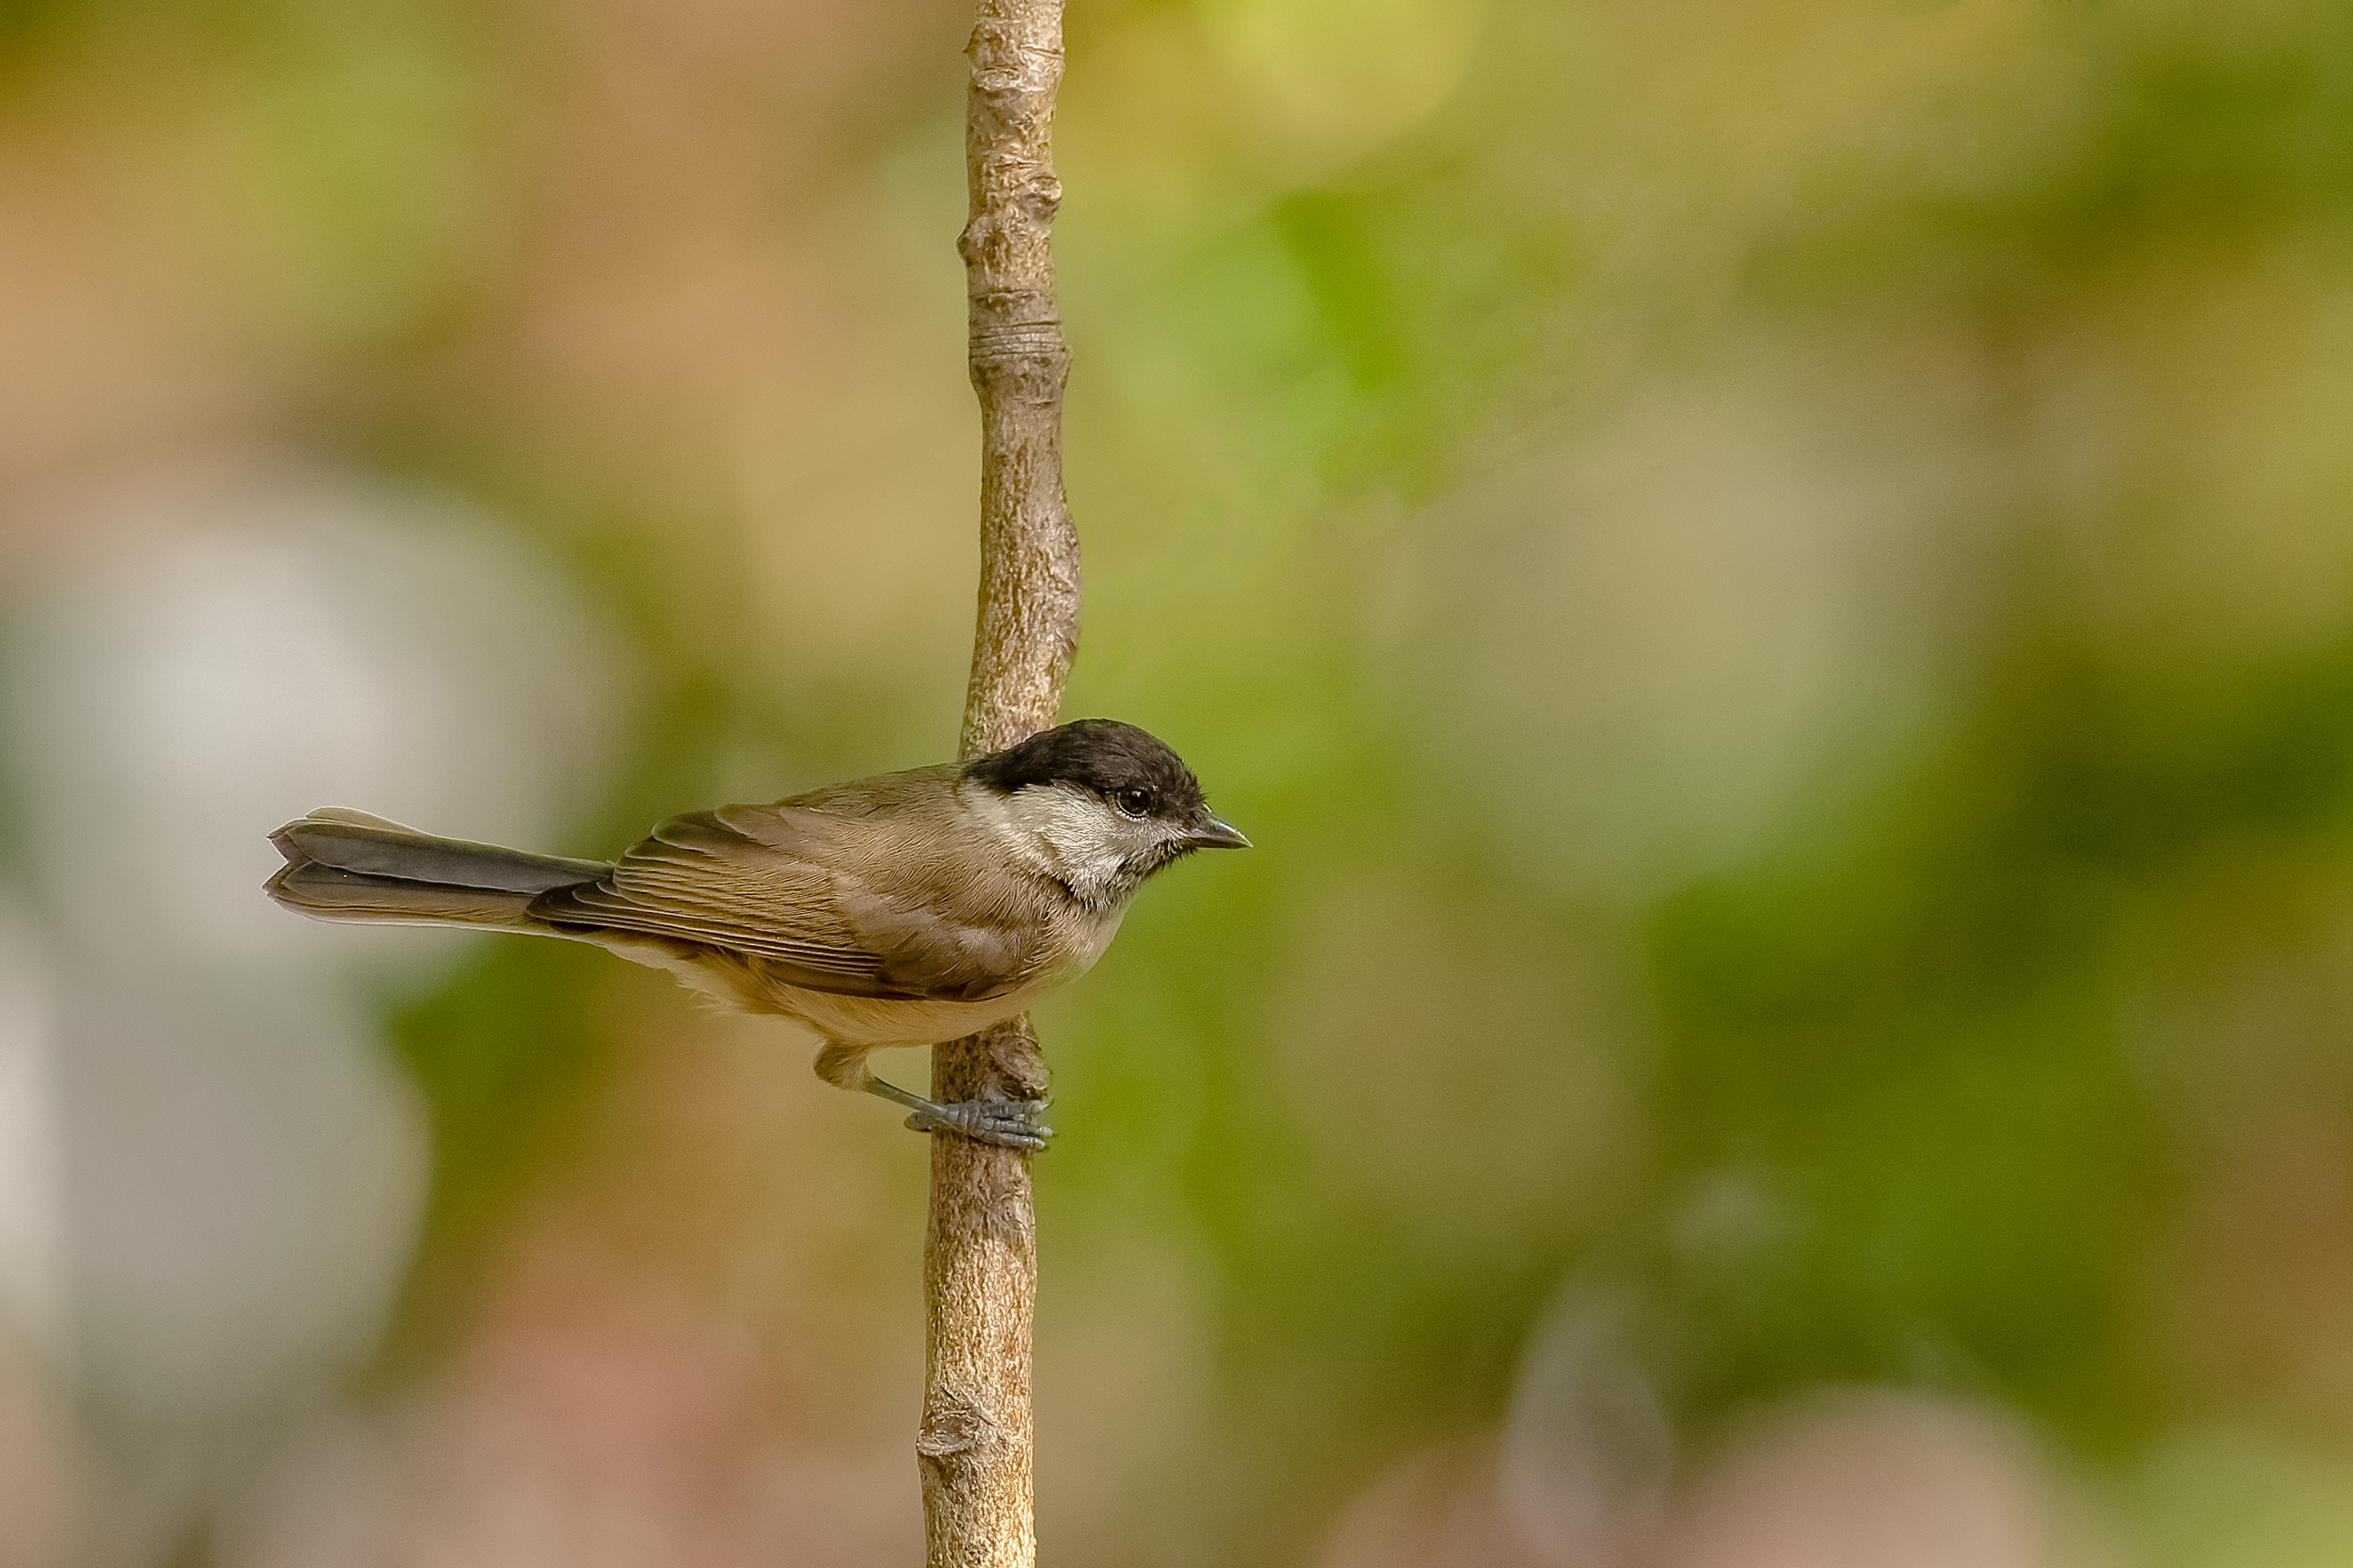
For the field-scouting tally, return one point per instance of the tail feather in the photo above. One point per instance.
(344, 865)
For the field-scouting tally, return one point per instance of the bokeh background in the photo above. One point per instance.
(1772, 578)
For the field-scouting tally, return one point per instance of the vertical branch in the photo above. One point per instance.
(1028, 621)
(980, 1256)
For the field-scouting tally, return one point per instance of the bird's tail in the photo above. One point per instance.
(348, 866)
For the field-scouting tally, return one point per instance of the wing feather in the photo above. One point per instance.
(852, 890)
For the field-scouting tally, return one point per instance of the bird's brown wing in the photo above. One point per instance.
(850, 889)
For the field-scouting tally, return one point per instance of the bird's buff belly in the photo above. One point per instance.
(749, 986)
(872, 1021)
(746, 983)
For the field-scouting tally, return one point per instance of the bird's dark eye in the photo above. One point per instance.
(1136, 803)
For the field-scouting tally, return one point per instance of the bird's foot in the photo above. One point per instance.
(1013, 1123)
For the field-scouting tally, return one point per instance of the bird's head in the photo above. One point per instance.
(1109, 802)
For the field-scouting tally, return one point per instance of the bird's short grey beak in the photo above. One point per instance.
(1214, 833)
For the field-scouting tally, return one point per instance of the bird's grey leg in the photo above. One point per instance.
(1012, 1123)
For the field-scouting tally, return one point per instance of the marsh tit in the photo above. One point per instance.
(903, 909)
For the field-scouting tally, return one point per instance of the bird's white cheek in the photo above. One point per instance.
(1079, 838)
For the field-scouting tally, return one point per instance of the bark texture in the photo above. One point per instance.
(1028, 621)
(980, 1259)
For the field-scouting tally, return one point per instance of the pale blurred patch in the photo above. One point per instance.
(1637, 652)
(224, 650)
(34, 1302)
(217, 1172)
(243, 1174)
(1881, 1479)
(1587, 1448)
(1844, 1478)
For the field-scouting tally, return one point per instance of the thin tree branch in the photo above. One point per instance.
(980, 1256)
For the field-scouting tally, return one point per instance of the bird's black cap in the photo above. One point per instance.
(1100, 755)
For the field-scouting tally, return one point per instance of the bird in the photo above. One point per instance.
(905, 908)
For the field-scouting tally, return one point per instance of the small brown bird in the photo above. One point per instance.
(903, 909)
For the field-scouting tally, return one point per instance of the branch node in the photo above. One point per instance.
(953, 1429)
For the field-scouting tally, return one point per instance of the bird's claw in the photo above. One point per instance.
(1010, 1123)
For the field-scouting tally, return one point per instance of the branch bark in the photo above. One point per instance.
(980, 1255)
